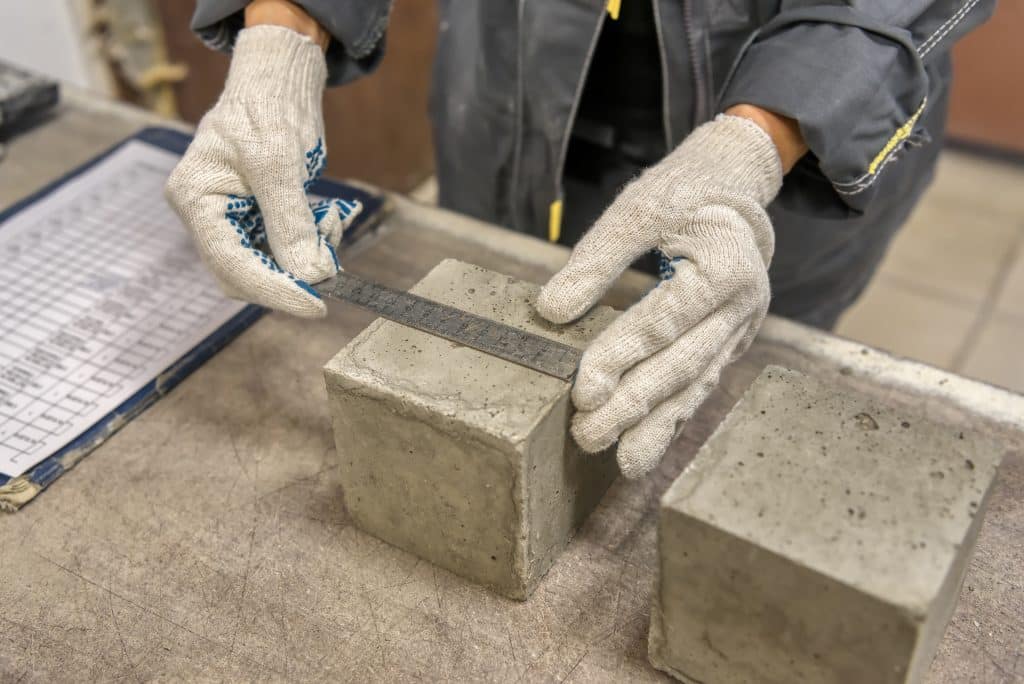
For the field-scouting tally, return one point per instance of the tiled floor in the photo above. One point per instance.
(950, 292)
(951, 289)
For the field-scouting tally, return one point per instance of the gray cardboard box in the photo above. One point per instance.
(458, 457)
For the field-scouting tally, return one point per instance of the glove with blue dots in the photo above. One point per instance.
(241, 186)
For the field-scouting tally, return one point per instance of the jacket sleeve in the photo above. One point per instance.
(357, 30)
(854, 76)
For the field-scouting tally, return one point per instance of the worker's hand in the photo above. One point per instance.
(703, 208)
(241, 186)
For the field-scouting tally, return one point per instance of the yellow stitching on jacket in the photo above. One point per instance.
(901, 134)
(885, 156)
(866, 183)
(857, 185)
(613, 9)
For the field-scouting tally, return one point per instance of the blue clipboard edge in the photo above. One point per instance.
(17, 491)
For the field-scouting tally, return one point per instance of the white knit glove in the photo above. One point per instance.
(241, 186)
(703, 207)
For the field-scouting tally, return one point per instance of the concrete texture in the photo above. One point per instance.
(208, 540)
(817, 536)
(458, 457)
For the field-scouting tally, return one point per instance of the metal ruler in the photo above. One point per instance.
(497, 339)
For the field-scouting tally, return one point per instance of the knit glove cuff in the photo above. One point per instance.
(274, 63)
(730, 153)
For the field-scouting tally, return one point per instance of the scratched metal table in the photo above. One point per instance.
(208, 539)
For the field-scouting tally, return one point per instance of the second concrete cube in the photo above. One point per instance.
(458, 457)
(817, 536)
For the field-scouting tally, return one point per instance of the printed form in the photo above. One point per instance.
(101, 290)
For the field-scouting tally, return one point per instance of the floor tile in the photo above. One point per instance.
(992, 187)
(1011, 295)
(908, 322)
(998, 356)
(952, 248)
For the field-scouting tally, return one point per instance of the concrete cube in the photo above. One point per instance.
(818, 536)
(458, 457)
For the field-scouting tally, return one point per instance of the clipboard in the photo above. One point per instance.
(19, 490)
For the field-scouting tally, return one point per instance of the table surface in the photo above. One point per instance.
(209, 539)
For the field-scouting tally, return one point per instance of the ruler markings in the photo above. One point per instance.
(491, 337)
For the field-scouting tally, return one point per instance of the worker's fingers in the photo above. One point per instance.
(291, 230)
(715, 269)
(334, 216)
(653, 323)
(651, 382)
(615, 241)
(228, 244)
(642, 446)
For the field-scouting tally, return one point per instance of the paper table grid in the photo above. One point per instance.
(100, 291)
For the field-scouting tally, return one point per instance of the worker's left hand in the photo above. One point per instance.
(703, 208)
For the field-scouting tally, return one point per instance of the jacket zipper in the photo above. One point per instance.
(517, 135)
(700, 113)
(666, 119)
(555, 210)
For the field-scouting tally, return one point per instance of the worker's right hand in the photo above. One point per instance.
(241, 186)
(703, 208)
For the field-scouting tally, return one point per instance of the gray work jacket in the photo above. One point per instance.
(861, 77)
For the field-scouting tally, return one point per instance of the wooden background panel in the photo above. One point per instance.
(987, 105)
(206, 68)
(377, 127)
